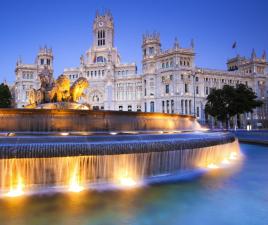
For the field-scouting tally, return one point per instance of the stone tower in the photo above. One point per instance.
(151, 47)
(45, 58)
(103, 30)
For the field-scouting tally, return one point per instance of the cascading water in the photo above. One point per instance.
(75, 149)
(19, 175)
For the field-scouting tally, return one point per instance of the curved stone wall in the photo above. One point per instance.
(47, 147)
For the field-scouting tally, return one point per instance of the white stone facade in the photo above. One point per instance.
(170, 81)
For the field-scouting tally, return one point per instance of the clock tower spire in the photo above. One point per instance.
(103, 30)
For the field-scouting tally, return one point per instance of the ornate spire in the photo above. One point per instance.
(192, 43)
(19, 61)
(82, 61)
(264, 55)
(97, 13)
(176, 43)
(253, 54)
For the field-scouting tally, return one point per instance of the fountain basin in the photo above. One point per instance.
(47, 148)
(95, 145)
(51, 120)
(32, 163)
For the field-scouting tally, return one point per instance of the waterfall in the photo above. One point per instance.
(26, 174)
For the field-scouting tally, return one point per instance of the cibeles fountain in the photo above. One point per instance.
(57, 94)
(57, 144)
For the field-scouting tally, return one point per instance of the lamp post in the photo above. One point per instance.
(194, 77)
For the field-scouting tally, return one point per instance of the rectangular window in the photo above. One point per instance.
(172, 106)
(186, 88)
(167, 106)
(197, 111)
(151, 106)
(167, 88)
(206, 90)
(197, 90)
(145, 107)
(163, 106)
(145, 90)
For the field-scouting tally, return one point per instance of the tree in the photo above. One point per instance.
(5, 96)
(229, 101)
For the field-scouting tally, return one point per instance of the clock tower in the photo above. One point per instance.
(103, 30)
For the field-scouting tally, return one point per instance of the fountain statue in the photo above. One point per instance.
(58, 94)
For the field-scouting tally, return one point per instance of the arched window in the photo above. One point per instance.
(101, 59)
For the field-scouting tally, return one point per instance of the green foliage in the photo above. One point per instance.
(5, 96)
(230, 101)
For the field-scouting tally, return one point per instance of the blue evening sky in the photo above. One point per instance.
(66, 26)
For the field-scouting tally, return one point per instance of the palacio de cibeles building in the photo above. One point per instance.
(170, 81)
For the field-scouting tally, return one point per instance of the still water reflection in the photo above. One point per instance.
(220, 197)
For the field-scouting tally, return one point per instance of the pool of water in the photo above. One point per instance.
(230, 196)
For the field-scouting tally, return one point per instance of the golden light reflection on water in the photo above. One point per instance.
(75, 181)
(127, 182)
(19, 176)
(16, 188)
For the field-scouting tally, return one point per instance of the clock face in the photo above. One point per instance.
(100, 24)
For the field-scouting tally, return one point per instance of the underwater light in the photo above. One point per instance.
(225, 161)
(212, 166)
(17, 190)
(233, 156)
(127, 182)
(75, 187)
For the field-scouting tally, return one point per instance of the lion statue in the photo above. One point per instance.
(35, 97)
(77, 88)
(61, 89)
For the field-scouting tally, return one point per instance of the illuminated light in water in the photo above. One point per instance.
(11, 134)
(64, 134)
(17, 190)
(127, 182)
(160, 132)
(212, 166)
(203, 129)
(177, 131)
(74, 184)
(225, 161)
(113, 133)
(75, 187)
(233, 156)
